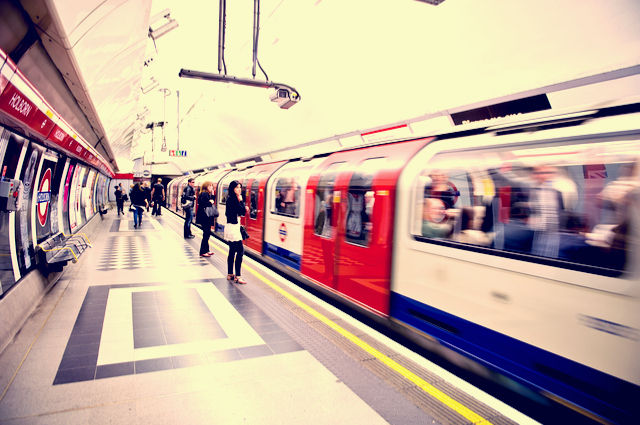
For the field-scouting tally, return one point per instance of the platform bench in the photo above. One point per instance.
(60, 248)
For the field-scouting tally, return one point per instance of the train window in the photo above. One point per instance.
(287, 199)
(360, 201)
(224, 193)
(253, 199)
(324, 223)
(564, 205)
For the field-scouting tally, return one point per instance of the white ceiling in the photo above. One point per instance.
(356, 64)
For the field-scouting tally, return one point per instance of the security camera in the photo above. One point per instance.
(284, 97)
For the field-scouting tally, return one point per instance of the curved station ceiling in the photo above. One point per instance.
(111, 68)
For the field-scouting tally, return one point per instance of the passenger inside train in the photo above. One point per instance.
(566, 203)
(288, 195)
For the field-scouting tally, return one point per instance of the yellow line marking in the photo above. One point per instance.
(445, 399)
(421, 383)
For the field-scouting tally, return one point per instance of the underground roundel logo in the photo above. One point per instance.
(44, 197)
(282, 232)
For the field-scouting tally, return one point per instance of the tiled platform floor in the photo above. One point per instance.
(144, 331)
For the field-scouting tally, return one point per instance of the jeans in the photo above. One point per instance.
(188, 218)
(137, 216)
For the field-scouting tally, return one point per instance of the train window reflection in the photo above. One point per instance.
(567, 202)
(324, 221)
(287, 196)
(360, 201)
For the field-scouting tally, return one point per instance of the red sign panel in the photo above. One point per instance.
(58, 136)
(14, 103)
(41, 123)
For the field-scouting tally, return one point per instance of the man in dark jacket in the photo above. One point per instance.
(187, 200)
(157, 197)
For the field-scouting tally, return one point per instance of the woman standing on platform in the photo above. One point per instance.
(235, 208)
(206, 215)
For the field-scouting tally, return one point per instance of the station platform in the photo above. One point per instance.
(142, 330)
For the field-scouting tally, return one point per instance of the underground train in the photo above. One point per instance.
(514, 244)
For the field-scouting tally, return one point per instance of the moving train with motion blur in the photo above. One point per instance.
(512, 243)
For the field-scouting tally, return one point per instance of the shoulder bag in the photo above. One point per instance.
(185, 202)
(244, 233)
(211, 211)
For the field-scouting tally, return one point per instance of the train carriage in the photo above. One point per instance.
(557, 306)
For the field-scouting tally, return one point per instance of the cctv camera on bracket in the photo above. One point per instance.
(284, 97)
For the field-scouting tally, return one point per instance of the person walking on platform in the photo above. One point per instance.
(157, 197)
(206, 215)
(147, 193)
(138, 202)
(119, 199)
(187, 200)
(235, 208)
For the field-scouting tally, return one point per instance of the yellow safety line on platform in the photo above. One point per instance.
(421, 383)
(406, 373)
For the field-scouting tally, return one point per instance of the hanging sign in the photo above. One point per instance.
(174, 152)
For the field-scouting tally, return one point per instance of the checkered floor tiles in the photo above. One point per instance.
(147, 250)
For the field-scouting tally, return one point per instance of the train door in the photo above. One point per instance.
(214, 177)
(365, 215)
(348, 248)
(172, 188)
(320, 229)
(283, 230)
(175, 193)
(222, 195)
(255, 199)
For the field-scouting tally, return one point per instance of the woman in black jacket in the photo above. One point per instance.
(205, 199)
(235, 207)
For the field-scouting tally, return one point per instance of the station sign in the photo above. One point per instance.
(174, 152)
(22, 102)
